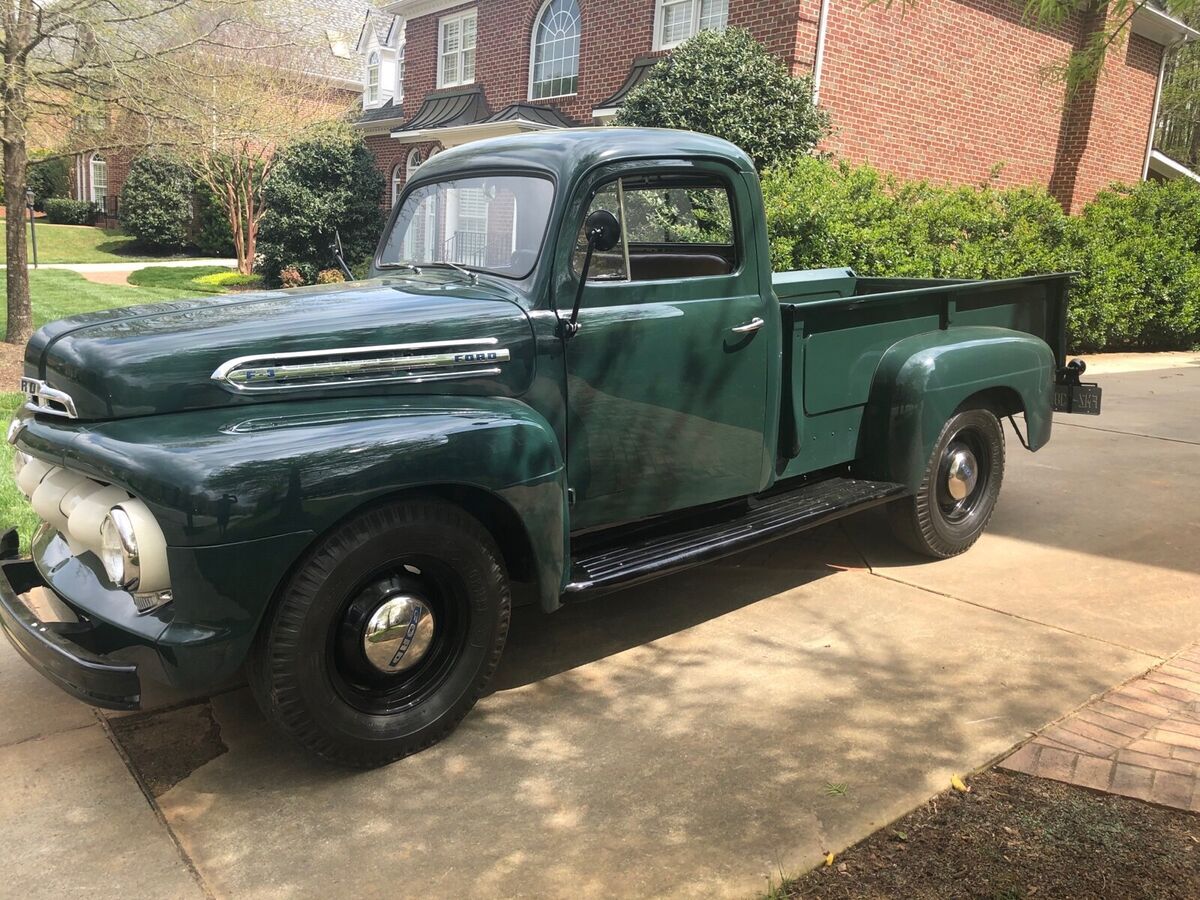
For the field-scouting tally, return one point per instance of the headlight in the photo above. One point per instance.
(119, 549)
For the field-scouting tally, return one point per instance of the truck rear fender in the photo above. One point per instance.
(922, 380)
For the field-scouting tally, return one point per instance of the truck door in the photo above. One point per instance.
(666, 377)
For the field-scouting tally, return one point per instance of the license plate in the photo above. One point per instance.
(1083, 399)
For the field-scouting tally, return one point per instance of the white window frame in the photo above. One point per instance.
(399, 179)
(97, 158)
(659, 17)
(533, 38)
(400, 73)
(371, 92)
(461, 18)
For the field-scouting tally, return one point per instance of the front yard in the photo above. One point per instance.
(83, 244)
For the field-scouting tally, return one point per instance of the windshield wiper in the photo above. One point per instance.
(472, 277)
(400, 265)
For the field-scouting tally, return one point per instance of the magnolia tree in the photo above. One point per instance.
(727, 84)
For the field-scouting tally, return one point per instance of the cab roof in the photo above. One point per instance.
(566, 153)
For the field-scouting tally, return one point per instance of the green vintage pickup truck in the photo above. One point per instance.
(570, 370)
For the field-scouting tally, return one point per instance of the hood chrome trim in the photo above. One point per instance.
(41, 398)
(353, 366)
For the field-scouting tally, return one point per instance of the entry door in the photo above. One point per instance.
(666, 377)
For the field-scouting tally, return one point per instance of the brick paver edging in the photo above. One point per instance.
(1140, 740)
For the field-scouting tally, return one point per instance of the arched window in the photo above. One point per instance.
(397, 182)
(99, 173)
(373, 77)
(554, 60)
(414, 160)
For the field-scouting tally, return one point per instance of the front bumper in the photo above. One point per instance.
(46, 646)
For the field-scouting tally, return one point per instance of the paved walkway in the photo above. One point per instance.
(131, 266)
(1140, 740)
(678, 738)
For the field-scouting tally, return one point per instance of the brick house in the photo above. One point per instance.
(321, 38)
(943, 90)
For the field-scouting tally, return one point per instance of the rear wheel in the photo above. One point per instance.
(386, 635)
(959, 490)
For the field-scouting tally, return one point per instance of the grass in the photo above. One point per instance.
(14, 508)
(192, 279)
(57, 293)
(84, 244)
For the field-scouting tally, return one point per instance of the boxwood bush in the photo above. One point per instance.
(1137, 249)
(61, 211)
(156, 202)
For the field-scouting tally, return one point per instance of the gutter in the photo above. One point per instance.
(819, 55)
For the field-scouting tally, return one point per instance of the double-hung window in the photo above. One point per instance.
(678, 20)
(373, 78)
(456, 49)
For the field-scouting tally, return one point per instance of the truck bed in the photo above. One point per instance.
(837, 326)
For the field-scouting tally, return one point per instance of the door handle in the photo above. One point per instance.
(750, 327)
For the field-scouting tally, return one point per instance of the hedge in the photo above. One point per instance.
(156, 202)
(1137, 249)
(60, 211)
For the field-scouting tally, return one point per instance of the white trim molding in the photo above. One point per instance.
(1162, 28)
(461, 20)
(697, 9)
(455, 135)
(535, 33)
(1165, 167)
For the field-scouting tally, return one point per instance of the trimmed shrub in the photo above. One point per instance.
(826, 214)
(727, 84)
(211, 233)
(229, 279)
(1137, 249)
(156, 202)
(48, 179)
(330, 276)
(322, 183)
(61, 211)
(290, 277)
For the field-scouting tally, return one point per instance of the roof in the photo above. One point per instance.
(388, 110)
(387, 29)
(447, 109)
(640, 69)
(1168, 169)
(533, 114)
(1161, 27)
(565, 154)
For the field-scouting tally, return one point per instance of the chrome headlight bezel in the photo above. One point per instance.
(119, 550)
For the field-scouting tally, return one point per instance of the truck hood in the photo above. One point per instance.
(165, 357)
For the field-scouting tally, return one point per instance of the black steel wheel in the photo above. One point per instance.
(960, 488)
(386, 635)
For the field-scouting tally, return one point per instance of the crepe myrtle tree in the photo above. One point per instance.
(729, 85)
(64, 62)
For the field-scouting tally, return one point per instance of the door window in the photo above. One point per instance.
(672, 227)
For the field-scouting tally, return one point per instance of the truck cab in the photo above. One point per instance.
(571, 369)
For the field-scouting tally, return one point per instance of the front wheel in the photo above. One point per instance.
(386, 635)
(959, 490)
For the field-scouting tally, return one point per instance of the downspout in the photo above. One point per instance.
(819, 59)
(1162, 72)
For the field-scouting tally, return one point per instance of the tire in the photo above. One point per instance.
(386, 634)
(935, 522)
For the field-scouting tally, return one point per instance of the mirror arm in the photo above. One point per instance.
(571, 327)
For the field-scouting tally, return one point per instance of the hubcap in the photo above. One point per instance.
(962, 473)
(398, 634)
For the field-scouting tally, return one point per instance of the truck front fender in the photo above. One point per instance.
(226, 485)
(923, 379)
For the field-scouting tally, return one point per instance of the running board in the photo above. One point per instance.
(606, 568)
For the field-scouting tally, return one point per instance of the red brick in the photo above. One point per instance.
(1160, 763)
(1167, 736)
(1056, 764)
(1078, 742)
(1093, 773)
(1172, 790)
(1128, 730)
(1024, 760)
(1132, 781)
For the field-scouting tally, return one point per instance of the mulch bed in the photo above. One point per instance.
(12, 366)
(1015, 837)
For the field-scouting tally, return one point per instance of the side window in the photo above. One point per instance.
(671, 227)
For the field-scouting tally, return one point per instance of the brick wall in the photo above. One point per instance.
(949, 90)
(389, 153)
(943, 89)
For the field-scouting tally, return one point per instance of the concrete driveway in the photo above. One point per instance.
(699, 735)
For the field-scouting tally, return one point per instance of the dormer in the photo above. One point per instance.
(381, 48)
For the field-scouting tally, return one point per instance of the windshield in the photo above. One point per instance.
(495, 223)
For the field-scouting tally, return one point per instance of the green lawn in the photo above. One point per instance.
(14, 508)
(84, 244)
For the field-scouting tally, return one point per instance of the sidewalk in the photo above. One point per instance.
(84, 268)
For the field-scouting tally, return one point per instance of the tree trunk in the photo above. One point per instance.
(20, 314)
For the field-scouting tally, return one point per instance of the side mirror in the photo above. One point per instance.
(603, 230)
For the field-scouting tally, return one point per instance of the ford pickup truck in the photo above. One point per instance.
(571, 369)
